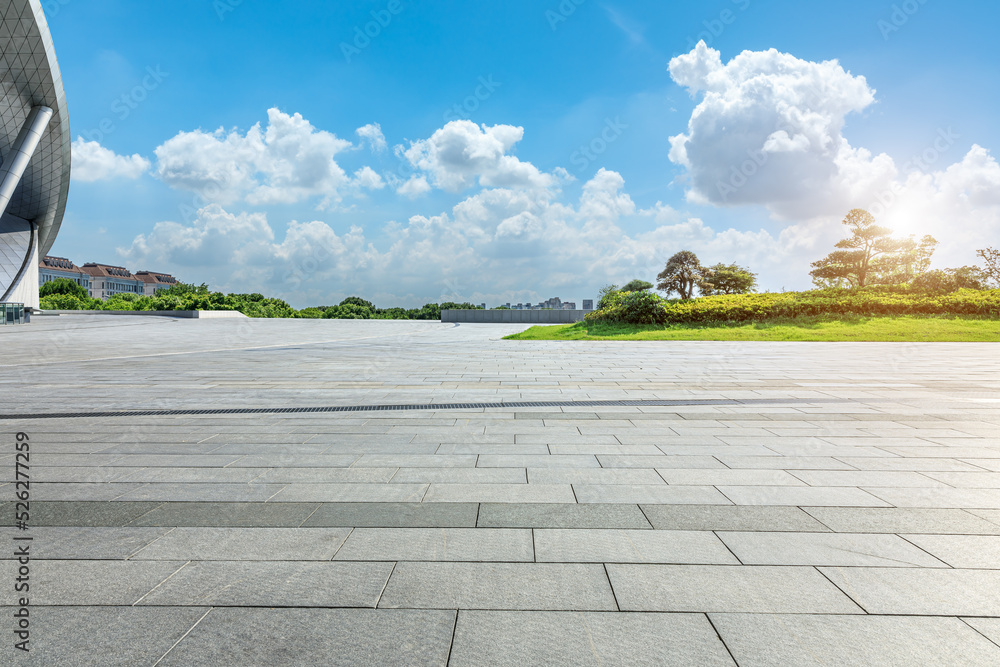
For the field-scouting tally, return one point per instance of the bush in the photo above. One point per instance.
(864, 302)
(65, 302)
(64, 286)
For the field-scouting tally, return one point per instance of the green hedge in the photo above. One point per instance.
(866, 302)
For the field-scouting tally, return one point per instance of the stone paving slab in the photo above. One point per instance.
(495, 639)
(706, 588)
(317, 637)
(513, 586)
(271, 584)
(756, 640)
(551, 515)
(852, 478)
(101, 636)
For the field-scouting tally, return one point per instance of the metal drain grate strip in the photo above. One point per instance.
(431, 406)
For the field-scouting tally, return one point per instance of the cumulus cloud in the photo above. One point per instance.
(368, 179)
(462, 153)
(497, 245)
(768, 130)
(372, 135)
(93, 162)
(287, 162)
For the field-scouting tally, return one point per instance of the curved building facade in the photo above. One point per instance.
(34, 148)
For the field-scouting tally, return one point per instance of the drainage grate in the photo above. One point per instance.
(431, 406)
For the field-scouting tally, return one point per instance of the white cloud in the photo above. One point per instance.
(414, 187)
(93, 162)
(498, 245)
(768, 131)
(372, 133)
(288, 162)
(368, 178)
(462, 153)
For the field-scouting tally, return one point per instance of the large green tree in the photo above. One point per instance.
(63, 286)
(637, 286)
(683, 274)
(872, 256)
(729, 279)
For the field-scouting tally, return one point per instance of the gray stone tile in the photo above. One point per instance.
(940, 498)
(968, 480)
(88, 582)
(89, 492)
(962, 551)
(911, 464)
(729, 477)
(405, 461)
(677, 462)
(707, 588)
(547, 515)
(438, 544)
(297, 461)
(813, 496)
(593, 476)
(395, 515)
(499, 493)
(194, 475)
(920, 591)
(608, 449)
(351, 493)
(65, 513)
(649, 493)
(988, 627)
(324, 475)
(993, 516)
(246, 515)
(497, 638)
(784, 463)
(334, 637)
(756, 640)
(630, 546)
(902, 520)
(90, 543)
(272, 584)
(245, 544)
(730, 517)
(826, 549)
(515, 586)
(901, 479)
(101, 636)
(460, 476)
(562, 461)
(200, 492)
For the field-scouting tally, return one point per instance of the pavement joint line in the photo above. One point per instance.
(427, 406)
(184, 636)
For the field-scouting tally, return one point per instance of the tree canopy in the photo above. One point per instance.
(63, 286)
(872, 256)
(637, 286)
(729, 279)
(682, 274)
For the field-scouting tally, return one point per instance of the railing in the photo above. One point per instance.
(11, 313)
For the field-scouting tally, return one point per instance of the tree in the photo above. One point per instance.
(872, 256)
(637, 286)
(729, 279)
(64, 286)
(951, 280)
(682, 274)
(991, 258)
(606, 293)
(358, 301)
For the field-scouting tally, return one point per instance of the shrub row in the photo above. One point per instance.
(648, 308)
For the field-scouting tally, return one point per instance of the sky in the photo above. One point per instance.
(411, 151)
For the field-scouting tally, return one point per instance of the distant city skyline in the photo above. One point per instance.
(505, 153)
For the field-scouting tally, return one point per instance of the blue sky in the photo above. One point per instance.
(482, 191)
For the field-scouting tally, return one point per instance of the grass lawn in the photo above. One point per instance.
(873, 329)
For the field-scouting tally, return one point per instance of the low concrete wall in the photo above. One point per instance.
(185, 314)
(514, 316)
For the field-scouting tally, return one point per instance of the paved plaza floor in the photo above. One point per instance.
(517, 503)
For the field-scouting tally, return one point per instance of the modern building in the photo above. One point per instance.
(588, 304)
(107, 280)
(34, 148)
(154, 282)
(54, 268)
